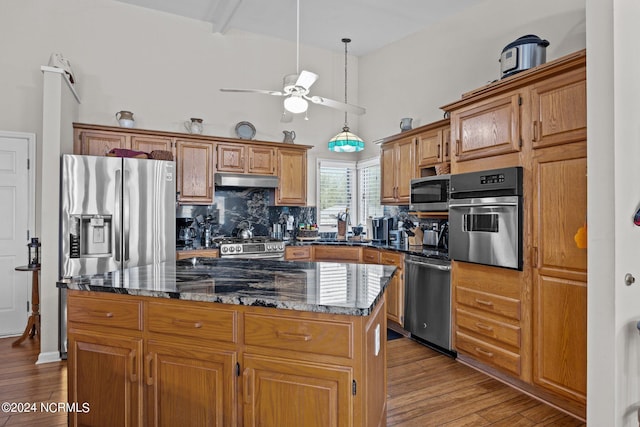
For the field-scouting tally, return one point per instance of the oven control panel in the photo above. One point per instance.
(491, 179)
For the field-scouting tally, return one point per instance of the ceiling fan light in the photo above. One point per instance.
(346, 142)
(296, 104)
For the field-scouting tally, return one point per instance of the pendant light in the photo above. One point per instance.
(345, 141)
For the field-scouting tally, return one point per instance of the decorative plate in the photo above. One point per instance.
(245, 130)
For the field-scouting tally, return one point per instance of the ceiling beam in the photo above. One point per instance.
(221, 13)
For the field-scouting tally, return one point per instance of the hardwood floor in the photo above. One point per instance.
(425, 388)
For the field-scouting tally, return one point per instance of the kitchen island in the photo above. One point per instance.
(230, 342)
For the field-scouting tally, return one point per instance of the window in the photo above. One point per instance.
(369, 190)
(348, 185)
(336, 191)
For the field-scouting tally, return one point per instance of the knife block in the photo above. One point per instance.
(416, 240)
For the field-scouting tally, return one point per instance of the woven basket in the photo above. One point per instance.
(443, 169)
(161, 155)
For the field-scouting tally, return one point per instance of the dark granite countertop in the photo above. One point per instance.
(337, 288)
(412, 250)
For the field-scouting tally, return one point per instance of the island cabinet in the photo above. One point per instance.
(198, 157)
(165, 362)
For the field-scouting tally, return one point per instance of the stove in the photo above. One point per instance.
(256, 247)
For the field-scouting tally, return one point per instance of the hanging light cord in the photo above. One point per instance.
(345, 41)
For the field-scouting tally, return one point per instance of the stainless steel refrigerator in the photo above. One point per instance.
(116, 213)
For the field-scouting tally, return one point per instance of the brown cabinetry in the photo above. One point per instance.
(195, 171)
(292, 174)
(395, 289)
(244, 158)
(198, 157)
(397, 169)
(141, 360)
(297, 253)
(336, 253)
(529, 326)
(434, 145)
(560, 270)
(487, 128)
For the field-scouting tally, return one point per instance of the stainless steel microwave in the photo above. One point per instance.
(430, 194)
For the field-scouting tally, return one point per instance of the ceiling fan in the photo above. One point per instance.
(296, 89)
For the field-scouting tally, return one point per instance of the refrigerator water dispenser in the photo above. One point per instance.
(90, 236)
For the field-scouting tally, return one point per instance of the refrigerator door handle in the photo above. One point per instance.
(125, 213)
(118, 217)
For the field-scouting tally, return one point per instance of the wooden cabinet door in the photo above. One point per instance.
(282, 392)
(190, 385)
(397, 170)
(405, 167)
(336, 253)
(387, 174)
(446, 141)
(297, 253)
(395, 288)
(292, 173)
(559, 110)
(106, 372)
(98, 143)
(487, 129)
(231, 158)
(429, 148)
(195, 171)
(150, 143)
(262, 160)
(560, 270)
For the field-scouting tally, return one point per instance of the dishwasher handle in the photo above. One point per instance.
(425, 263)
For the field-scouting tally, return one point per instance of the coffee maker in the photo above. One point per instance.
(377, 228)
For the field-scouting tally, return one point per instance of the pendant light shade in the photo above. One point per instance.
(346, 141)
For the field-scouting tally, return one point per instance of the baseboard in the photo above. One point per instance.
(49, 357)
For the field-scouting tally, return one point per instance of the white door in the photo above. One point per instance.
(16, 221)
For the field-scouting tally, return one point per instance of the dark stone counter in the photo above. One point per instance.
(337, 288)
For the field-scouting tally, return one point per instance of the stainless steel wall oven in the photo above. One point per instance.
(485, 217)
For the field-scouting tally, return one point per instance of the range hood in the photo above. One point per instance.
(242, 180)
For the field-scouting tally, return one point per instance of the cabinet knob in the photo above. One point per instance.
(629, 279)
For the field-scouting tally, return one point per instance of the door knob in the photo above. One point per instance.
(629, 279)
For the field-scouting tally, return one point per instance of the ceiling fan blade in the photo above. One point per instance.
(350, 108)
(266, 92)
(306, 79)
(287, 117)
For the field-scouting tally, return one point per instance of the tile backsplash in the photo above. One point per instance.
(255, 205)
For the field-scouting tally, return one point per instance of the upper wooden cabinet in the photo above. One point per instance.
(487, 128)
(99, 143)
(553, 122)
(245, 158)
(198, 157)
(292, 173)
(397, 169)
(433, 146)
(195, 171)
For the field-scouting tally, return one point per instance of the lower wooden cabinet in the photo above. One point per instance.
(395, 289)
(282, 392)
(104, 371)
(148, 361)
(189, 383)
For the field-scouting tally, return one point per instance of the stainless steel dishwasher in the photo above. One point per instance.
(427, 312)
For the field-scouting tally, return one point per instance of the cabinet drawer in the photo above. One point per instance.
(488, 353)
(491, 303)
(503, 332)
(390, 258)
(297, 252)
(311, 336)
(216, 325)
(336, 253)
(105, 312)
(370, 256)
